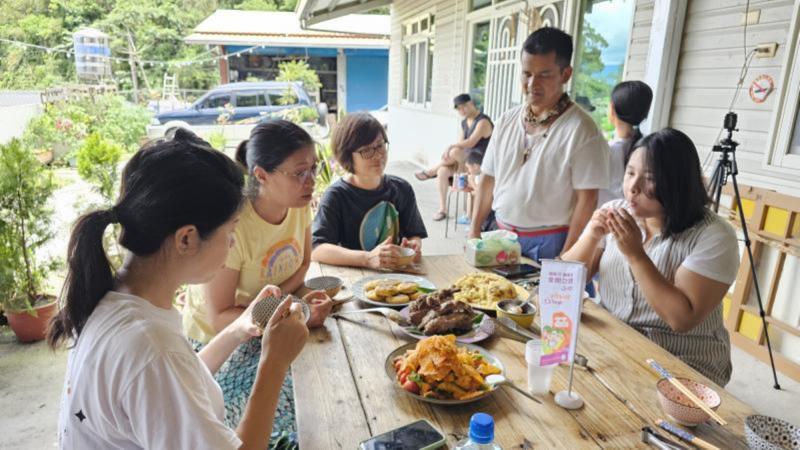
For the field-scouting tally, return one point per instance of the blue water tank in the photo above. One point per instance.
(92, 54)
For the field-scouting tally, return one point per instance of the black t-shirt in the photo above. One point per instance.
(360, 219)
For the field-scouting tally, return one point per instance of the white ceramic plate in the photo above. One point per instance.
(358, 287)
(400, 351)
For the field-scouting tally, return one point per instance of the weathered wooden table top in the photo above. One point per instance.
(343, 395)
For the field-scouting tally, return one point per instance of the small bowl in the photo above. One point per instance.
(331, 285)
(406, 256)
(525, 319)
(682, 410)
(770, 433)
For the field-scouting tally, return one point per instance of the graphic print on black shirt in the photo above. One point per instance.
(360, 219)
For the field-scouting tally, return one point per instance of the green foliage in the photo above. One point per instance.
(217, 140)
(299, 70)
(119, 121)
(25, 188)
(267, 5)
(98, 160)
(157, 29)
(65, 125)
(329, 170)
(588, 79)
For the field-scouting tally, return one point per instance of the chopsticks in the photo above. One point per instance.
(686, 391)
(685, 435)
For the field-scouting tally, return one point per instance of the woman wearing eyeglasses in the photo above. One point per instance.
(365, 218)
(271, 247)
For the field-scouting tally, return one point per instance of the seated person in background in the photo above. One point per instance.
(629, 105)
(366, 217)
(476, 129)
(665, 260)
(473, 165)
(271, 246)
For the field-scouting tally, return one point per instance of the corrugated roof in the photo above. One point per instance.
(234, 27)
(314, 13)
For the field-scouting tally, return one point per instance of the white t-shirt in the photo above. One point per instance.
(616, 172)
(571, 155)
(134, 382)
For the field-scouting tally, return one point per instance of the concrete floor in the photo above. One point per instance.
(31, 376)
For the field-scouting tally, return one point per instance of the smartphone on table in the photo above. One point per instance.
(419, 435)
(515, 270)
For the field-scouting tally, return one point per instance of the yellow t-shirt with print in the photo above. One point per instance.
(263, 254)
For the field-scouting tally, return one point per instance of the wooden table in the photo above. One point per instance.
(343, 395)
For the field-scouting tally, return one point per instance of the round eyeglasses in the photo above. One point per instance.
(303, 176)
(369, 151)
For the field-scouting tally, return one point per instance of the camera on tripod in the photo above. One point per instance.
(726, 166)
(728, 144)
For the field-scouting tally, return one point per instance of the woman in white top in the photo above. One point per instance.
(629, 105)
(132, 378)
(665, 260)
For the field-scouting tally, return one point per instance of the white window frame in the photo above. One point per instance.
(411, 39)
(483, 15)
(787, 107)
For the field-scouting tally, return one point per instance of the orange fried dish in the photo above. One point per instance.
(438, 368)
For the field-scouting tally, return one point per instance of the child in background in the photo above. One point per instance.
(473, 165)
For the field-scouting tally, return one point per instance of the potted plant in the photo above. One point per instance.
(25, 188)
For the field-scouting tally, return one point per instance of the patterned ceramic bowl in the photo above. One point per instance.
(331, 285)
(682, 410)
(769, 433)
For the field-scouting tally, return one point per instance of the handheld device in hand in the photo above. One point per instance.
(265, 308)
(515, 270)
(416, 435)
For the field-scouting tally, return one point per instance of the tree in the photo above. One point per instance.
(156, 29)
(588, 81)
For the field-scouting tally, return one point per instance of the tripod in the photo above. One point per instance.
(726, 165)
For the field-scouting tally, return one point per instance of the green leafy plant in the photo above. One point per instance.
(217, 140)
(65, 125)
(300, 71)
(329, 170)
(25, 218)
(97, 163)
(299, 115)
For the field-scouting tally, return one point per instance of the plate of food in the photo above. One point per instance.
(437, 313)
(483, 290)
(437, 370)
(392, 289)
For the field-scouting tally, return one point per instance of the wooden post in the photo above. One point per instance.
(224, 73)
(132, 64)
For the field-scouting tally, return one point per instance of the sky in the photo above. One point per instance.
(612, 19)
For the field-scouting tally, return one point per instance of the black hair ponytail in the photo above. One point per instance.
(631, 100)
(241, 154)
(89, 277)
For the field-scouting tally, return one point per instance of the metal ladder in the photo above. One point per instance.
(169, 89)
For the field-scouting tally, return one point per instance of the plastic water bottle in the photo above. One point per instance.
(481, 434)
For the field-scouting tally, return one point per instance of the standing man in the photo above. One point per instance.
(546, 160)
(476, 129)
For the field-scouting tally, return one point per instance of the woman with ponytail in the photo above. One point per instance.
(132, 378)
(272, 246)
(630, 103)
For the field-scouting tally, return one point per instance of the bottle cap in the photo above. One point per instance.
(481, 428)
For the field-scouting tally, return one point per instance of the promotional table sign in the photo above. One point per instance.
(561, 289)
